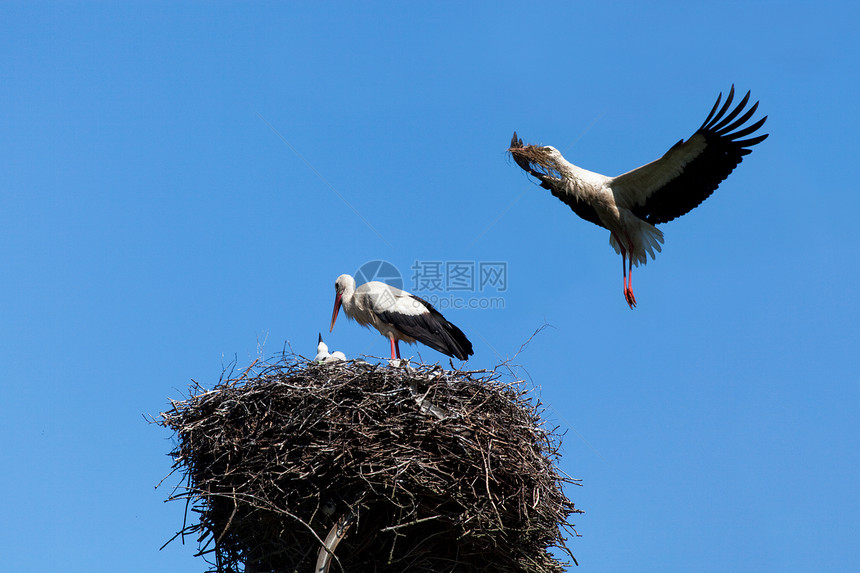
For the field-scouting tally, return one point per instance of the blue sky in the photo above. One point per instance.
(173, 195)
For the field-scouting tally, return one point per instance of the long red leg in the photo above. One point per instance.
(397, 347)
(624, 268)
(625, 265)
(628, 289)
(392, 350)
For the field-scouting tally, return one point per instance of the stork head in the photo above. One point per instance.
(343, 284)
(538, 160)
(551, 152)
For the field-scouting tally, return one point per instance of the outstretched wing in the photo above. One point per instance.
(691, 170)
(554, 184)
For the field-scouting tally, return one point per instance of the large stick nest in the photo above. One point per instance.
(397, 469)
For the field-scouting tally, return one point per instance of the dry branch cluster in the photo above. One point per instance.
(407, 469)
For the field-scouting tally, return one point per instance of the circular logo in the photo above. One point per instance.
(381, 271)
(384, 272)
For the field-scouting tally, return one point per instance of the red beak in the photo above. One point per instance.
(334, 312)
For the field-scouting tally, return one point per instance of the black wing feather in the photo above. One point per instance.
(431, 329)
(700, 177)
(741, 120)
(713, 109)
(581, 208)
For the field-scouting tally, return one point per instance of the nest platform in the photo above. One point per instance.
(358, 467)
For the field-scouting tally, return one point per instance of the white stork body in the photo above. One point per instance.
(323, 356)
(629, 205)
(398, 315)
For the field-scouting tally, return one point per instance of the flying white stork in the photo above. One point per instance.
(398, 315)
(629, 205)
(323, 355)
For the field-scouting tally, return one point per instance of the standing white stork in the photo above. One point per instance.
(629, 205)
(398, 315)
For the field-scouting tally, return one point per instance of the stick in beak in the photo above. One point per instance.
(335, 311)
